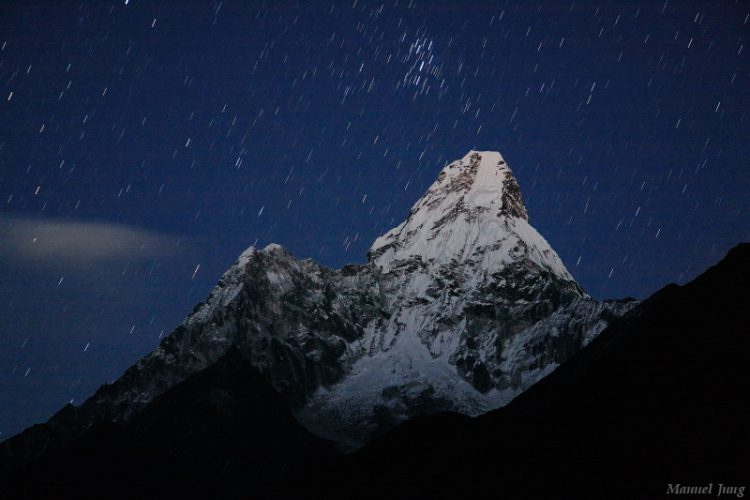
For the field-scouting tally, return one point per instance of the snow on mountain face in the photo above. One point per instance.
(473, 207)
(461, 279)
(461, 307)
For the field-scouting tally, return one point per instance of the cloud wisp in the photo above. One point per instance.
(81, 242)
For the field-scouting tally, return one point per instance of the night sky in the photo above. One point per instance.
(144, 145)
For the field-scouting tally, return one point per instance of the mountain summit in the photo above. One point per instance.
(472, 212)
(464, 210)
(461, 307)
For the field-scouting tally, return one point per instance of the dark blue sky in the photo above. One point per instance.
(144, 145)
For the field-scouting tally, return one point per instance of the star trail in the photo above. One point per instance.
(144, 145)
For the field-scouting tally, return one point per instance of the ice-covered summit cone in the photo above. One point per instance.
(472, 212)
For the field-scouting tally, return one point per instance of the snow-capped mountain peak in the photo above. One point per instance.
(461, 307)
(472, 212)
(480, 180)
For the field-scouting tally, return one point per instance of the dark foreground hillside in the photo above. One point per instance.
(220, 433)
(660, 398)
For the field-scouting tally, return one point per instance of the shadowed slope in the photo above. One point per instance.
(222, 431)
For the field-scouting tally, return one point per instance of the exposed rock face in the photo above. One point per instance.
(461, 307)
